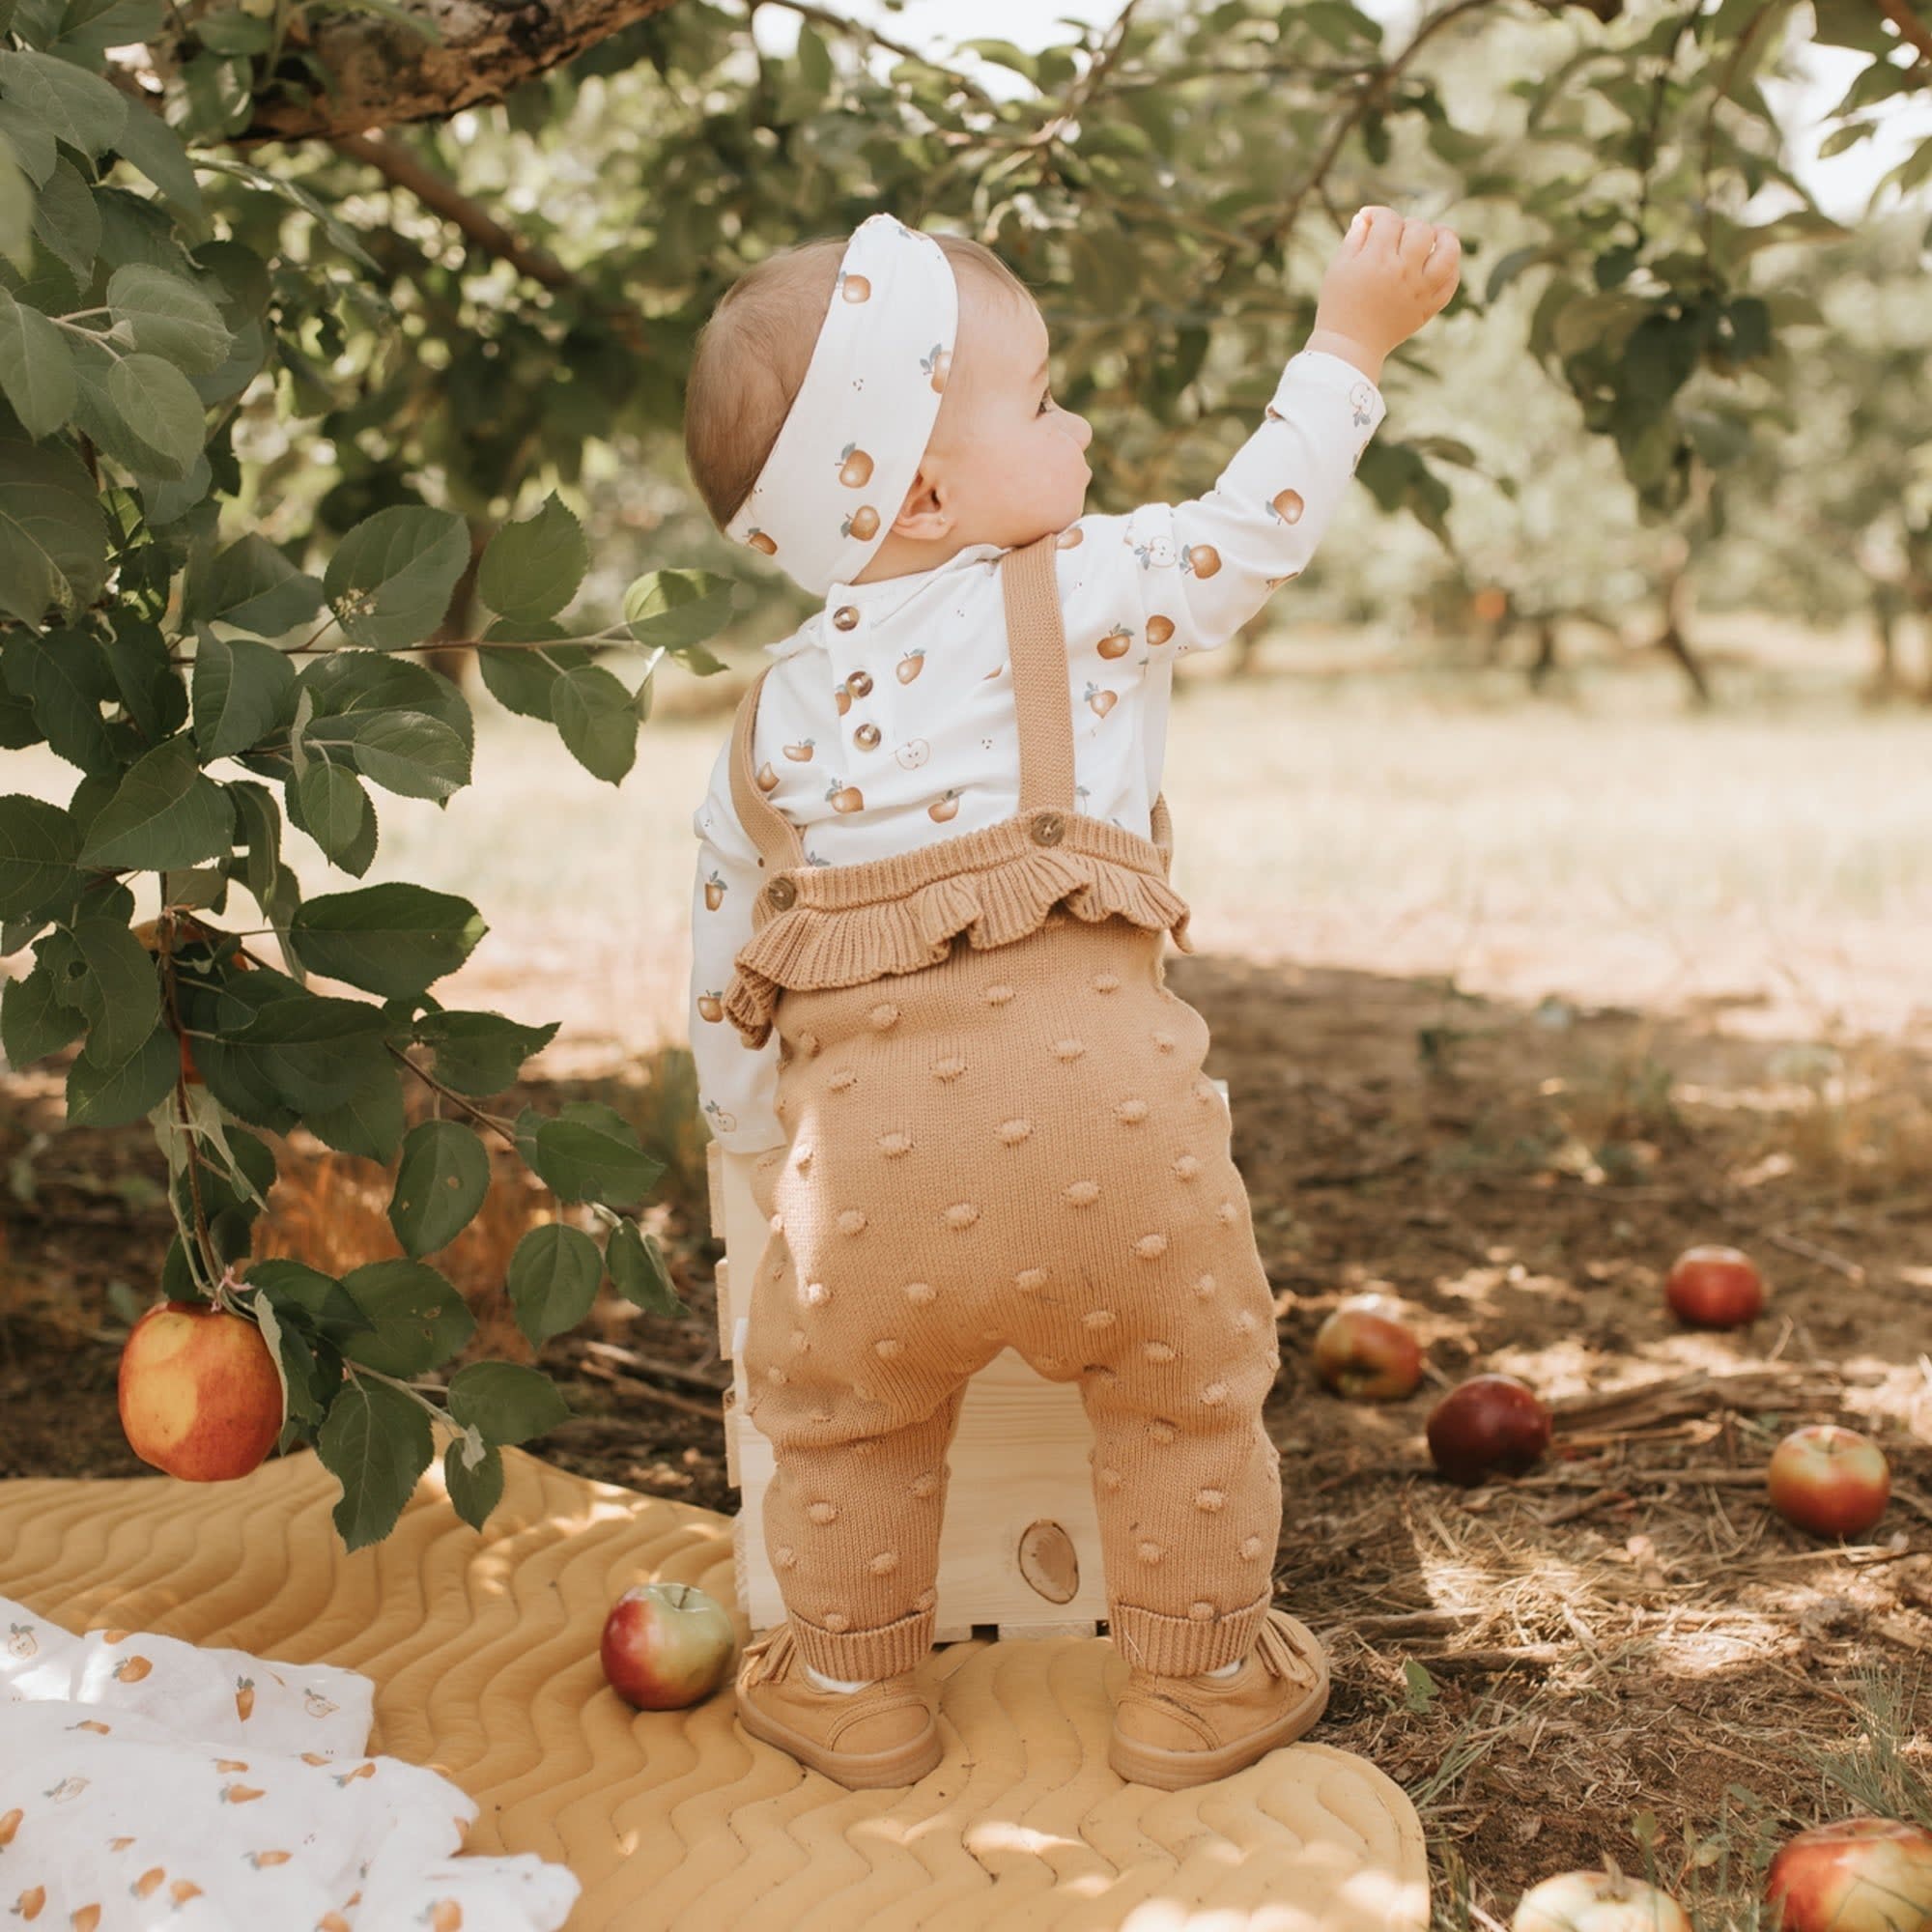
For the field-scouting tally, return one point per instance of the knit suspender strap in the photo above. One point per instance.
(1037, 645)
(777, 838)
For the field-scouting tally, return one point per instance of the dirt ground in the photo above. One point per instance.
(1624, 1648)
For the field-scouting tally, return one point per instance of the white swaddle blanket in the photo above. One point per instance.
(147, 1782)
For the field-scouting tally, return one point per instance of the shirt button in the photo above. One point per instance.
(846, 618)
(859, 683)
(866, 737)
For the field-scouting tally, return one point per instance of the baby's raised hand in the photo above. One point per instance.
(1389, 275)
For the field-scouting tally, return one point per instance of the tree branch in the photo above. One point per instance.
(385, 74)
(442, 196)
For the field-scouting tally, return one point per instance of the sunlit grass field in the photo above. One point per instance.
(1605, 843)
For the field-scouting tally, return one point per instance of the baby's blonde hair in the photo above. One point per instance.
(751, 358)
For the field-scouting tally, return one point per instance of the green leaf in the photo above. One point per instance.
(67, 218)
(90, 27)
(1002, 53)
(170, 318)
(36, 368)
(32, 142)
(64, 675)
(148, 685)
(505, 1403)
(474, 1492)
(552, 1280)
(596, 721)
(440, 1183)
(242, 691)
(39, 848)
(480, 1054)
(532, 569)
(392, 939)
(337, 231)
(120, 992)
(391, 580)
(33, 1021)
(637, 1265)
(82, 109)
(16, 210)
(376, 1442)
(148, 143)
(336, 809)
(233, 32)
(405, 751)
(675, 608)
(99, 1095)
(588, 1152)
(330, 1310)
(420, 1319)
(53, 539)
(254, 587)
(164, 812)
(521, 681)
(814, 62)
(161, 401)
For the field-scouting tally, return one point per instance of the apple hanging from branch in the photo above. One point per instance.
(198, 1392)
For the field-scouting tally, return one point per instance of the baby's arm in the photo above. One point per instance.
(1206, 566)
(737, 1085)
(1185, 577)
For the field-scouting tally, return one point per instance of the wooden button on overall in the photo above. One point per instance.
(1048, 828)
(781, 892)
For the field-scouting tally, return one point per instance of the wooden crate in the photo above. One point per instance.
(1021, 1549)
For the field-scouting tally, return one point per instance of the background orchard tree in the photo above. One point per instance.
(309, 314)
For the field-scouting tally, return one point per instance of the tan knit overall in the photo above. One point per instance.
(1001, 1132)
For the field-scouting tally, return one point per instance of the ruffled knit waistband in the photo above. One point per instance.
(841, 926)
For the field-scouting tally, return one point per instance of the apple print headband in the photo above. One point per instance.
(851, 444)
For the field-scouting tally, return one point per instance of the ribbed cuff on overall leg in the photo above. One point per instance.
(884, 1652)
(1184, 1646)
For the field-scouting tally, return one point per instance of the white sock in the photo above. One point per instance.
(834, 1683)
(1227, 1669)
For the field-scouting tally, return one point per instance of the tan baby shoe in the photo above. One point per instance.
(883, 1735)
(1175, 1731)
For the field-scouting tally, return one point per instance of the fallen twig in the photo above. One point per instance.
(671, 1371)
(669, 1398)
(1853, 1272)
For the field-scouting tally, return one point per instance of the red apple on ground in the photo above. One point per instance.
(1488, 1426)
(666, 1645)
(1854, 1875)
(199, 1394)
(1714, 1288)
(1597, 1901)
(1828, 1480)
(1364, 1349)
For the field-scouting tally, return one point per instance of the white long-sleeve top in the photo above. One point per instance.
(901, 691)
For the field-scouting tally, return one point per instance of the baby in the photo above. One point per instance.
(934, 864)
